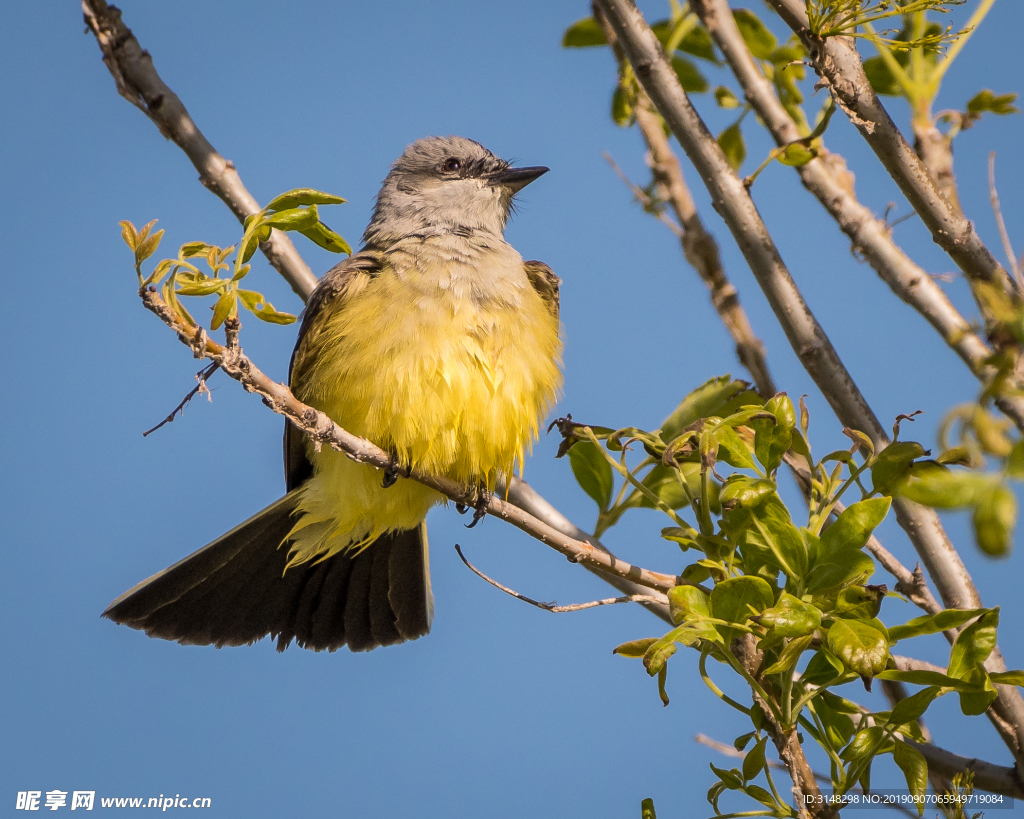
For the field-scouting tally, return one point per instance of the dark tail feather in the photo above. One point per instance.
(236, 591)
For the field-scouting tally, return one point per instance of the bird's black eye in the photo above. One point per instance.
(451, 164)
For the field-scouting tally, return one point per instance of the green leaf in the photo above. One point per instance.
(663, 481)
(933, 623)
(293, 218)
(863, 743)
(985, 100)
(744, 492)
(765, 798)
(303, 196)
(725, 98)
(839, 568)
(647, 809)
(822, 668)
(913, 707)
(860, 645)
(753, 762)
(708, 399)
(796, 154)
(922, 677)
(773, 440)
(223, 308)
(756, 35)
(659, 652)
(790, 656)
(859, 602)
(326, 238)
(937, 486)
(912, 762)
(892, 464)
(777, 532)
(791, 617)
(685, 602)
(698, 42)
(881, 78)
(973, 645)
(190, 249)
(129, 234)
(735, 599)
(732, 779)
(593, 472)
(1008, 677)
(854, 526)
(731, 448)
(635, 648)
(732, 145)
(201, 288)
(622, 107)
(148, 247)
(994, 519)
(689, 75)
(584, 33)
(832, 711)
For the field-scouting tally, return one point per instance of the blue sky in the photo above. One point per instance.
(503, 710)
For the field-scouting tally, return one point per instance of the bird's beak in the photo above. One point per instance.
(515, 179)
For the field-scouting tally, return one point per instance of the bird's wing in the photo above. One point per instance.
(334, 289)
(545, 282)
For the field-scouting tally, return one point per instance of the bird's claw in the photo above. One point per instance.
(480, 507)
(391, 473)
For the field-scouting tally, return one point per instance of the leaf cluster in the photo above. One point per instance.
(799, 588)
(295, 210)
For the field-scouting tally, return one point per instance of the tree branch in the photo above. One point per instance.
(138, 82)
(732, 200)
(827, 178)
(839, 66)
(552, 607)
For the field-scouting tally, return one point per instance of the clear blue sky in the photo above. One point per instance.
(503, 710)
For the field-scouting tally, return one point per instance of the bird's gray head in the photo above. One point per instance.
(445, 185)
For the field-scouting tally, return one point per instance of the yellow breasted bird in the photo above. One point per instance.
(437, 342)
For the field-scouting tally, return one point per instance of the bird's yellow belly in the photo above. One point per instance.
(449, 386)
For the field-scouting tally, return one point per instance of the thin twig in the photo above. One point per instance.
(641, 196)
(608, 601)
(1003, 233)
(201, 377)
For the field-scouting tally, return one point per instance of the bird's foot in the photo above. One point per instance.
(392, 472)
(480, 507)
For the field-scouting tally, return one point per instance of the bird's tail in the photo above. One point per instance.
(236, 590)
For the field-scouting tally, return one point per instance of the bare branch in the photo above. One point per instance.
(839, 66)
(607, 601)
(201, 377)
(827, 178)
(732, 200)
(1018, 277)
(138, 82)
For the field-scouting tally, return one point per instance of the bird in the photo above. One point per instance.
(437, 342)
